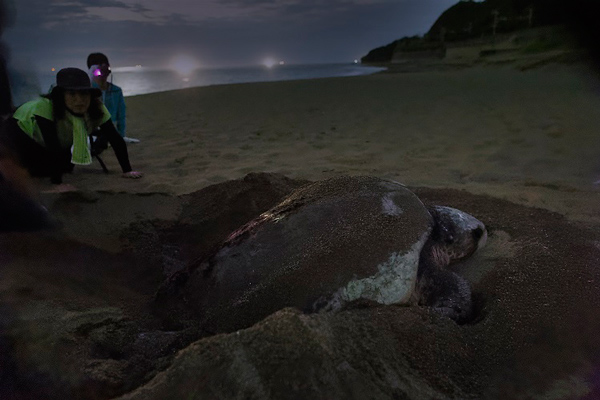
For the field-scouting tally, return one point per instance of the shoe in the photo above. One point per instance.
(130, 140)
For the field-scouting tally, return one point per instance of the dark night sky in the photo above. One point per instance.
(60, 33)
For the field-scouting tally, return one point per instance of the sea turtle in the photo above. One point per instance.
(327, 244)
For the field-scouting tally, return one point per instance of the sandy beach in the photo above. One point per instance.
(528, 137)
(520, 150)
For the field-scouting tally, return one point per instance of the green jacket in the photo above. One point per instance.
(42, 107)
(68, 135)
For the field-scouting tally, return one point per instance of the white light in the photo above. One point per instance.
(184, 64)
(269, 62)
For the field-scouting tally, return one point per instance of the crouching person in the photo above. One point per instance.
(54, 133)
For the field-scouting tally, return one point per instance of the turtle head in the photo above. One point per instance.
(456, 233)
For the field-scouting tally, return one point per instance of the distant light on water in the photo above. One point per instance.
(184, 64)
(147, 79)
(269, 62)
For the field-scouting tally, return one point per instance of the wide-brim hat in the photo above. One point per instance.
(75, 79)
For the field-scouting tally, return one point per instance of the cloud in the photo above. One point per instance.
(294, 9)
(54, 14)
(119, 14)
(217, 32)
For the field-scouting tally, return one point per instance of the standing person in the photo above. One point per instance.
(112, 95)
(50, 135)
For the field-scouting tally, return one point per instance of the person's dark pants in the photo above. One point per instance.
(33, 156)
(18, 212)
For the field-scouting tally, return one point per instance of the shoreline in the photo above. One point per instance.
(159, 80)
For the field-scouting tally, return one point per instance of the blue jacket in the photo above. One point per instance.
(115, 103)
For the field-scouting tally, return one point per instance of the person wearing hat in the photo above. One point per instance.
(112, 95)
(64, 128)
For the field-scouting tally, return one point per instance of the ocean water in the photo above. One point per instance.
(135, 81)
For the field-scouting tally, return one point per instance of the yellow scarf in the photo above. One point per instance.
(80, 151)
(72, 131)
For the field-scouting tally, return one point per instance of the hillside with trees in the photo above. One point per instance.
(470, 20)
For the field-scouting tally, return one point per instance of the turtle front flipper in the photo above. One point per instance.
(446, 293)
(455, 235)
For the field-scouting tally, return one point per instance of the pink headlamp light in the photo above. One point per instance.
(100, 70)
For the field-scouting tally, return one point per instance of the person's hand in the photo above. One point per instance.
(132, 174)
(61, 188)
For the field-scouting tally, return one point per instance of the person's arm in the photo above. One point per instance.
(121, 114)
(109, 132)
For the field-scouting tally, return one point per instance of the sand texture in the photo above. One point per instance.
(519, 150)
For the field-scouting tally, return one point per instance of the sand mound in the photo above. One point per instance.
(75, 321)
